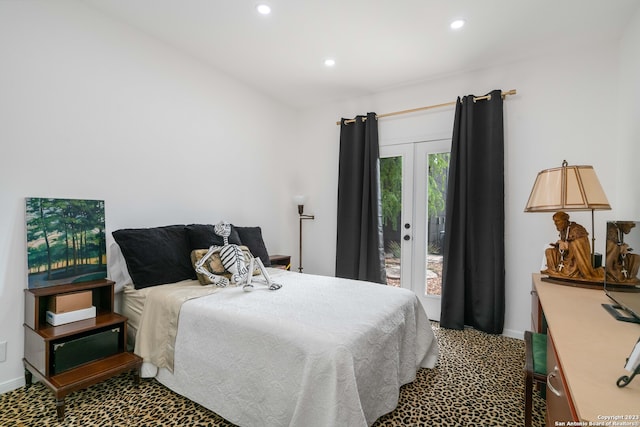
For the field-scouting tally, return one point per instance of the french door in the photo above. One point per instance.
(413, 180)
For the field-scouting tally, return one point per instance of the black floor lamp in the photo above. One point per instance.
(299, 200)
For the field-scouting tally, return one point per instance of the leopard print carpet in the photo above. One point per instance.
(478, 382)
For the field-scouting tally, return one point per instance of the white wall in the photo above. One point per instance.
(629, 113)
(90, 108)
(566, 108)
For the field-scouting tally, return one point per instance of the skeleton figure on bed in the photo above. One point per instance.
(234, 262)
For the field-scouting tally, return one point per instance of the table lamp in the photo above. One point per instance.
(568, 188)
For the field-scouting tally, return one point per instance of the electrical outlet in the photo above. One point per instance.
(3, 351)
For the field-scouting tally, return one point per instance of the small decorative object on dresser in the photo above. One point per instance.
(632, 365)
(74, 355)
(569, 258)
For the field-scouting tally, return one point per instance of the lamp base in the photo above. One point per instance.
(632, 283)
(579, 283)
(596, 259)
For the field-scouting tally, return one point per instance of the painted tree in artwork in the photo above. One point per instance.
(65, 238)
(38, 224)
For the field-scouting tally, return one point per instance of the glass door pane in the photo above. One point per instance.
(396, 184)
(437, 175)
(391, 189)
(431, 173)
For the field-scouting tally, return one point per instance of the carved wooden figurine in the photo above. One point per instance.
(570, 256)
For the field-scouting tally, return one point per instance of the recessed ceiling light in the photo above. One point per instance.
(329, 62)
(263, 9)
(457, 24)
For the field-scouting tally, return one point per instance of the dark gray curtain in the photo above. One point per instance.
(359, 246)
(473, 270)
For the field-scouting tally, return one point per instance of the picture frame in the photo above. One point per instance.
(65, 241)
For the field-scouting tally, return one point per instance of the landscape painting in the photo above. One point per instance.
(65, 241)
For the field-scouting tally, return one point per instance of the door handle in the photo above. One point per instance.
(552, 375)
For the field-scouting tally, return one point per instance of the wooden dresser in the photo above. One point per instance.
(586, 353)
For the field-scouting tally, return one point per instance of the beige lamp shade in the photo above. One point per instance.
(569, 188)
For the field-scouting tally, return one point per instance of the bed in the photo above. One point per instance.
(320, 351)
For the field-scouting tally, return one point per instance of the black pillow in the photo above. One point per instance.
(201, 236)
(155, 256)
(251, 237)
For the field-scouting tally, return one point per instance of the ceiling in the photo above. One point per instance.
(377, 44)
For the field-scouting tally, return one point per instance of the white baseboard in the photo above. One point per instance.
(512, 333)
(11, 385)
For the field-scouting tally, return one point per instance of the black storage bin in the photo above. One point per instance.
(69, 354)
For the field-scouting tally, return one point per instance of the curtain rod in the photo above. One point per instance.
(413, 110)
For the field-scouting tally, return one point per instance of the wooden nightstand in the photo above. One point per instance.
(280, 261)
(76, 355)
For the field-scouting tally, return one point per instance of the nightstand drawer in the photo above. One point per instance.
(78, 351)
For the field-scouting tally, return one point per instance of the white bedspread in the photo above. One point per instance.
(320, 351)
